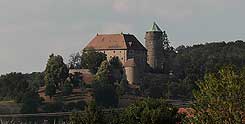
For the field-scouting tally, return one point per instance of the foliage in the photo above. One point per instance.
(31, 102)
(190, 64)
(56, 73)
(91, 60)
(105, 90)
(36, 80)
(115, 63)
(75, 61)
(116, 68)
(104, 73)
(67, 88)
(123, 87)
(75, 106)
(13, 86)
(220, 98)
(150, 111)
(92, 115)
(76, 80)
(106, 96)
(50, 90)
(53, 107)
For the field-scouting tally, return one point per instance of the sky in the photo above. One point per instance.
(30, 30)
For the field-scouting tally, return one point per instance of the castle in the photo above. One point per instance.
(133, 55)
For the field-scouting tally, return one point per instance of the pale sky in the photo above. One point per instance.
(30, 30)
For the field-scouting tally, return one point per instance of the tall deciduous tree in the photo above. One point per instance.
(104, 73)
(56, 72)
(220, 98)
(105, 90)
(91, 60)
(116, 68)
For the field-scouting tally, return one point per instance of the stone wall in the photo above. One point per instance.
(154, 45)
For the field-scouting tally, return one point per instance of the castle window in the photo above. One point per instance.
(121, 58)
(104, 51)
(114, 51)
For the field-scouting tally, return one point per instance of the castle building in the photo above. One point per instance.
(126, 47)
(154, 46)
(133, 55)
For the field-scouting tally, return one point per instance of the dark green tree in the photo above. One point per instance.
(56, 72)
(105, 90)
(13, 86)
(91, 60)
(50, 90)
(92, 115)
(150, 111)
(67, 88)
(31, 102)
(106, 96)
(192, 62)
(116, 68)
(123, 87)
(104, 73)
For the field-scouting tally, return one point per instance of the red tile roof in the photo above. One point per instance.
(115, 41)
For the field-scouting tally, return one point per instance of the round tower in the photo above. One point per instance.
(154, 46)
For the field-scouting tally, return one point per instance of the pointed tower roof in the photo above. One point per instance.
(155, 28)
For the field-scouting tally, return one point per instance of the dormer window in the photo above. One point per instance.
(130, 43)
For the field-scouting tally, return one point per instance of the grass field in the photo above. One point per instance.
(9, 107)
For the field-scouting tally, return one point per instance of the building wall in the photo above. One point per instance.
(154, 44)
(131, 75)
(121, 54)
(139, 56)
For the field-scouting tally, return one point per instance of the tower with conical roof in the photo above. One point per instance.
(154, 43)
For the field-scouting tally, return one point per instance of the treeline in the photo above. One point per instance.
(147, 111)
(218, 100)
(189, 64)
(14, 86)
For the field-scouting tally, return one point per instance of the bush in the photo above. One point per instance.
(150, 111)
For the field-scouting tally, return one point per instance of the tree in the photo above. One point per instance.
(104, 73)
(220, 98)
(192, 62)
(75, 61)
(150, 111)
(31, 102)
(122, 88)
(50, 90)
(56, 72)
(13, 86)
(67, 89)
(105, 90)
(92, 115)
(116, 68)
(106, 96)
(91, 60)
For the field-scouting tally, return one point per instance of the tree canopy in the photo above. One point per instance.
(56, 72)
(220, 98)
(91, 60)
(190, 64)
